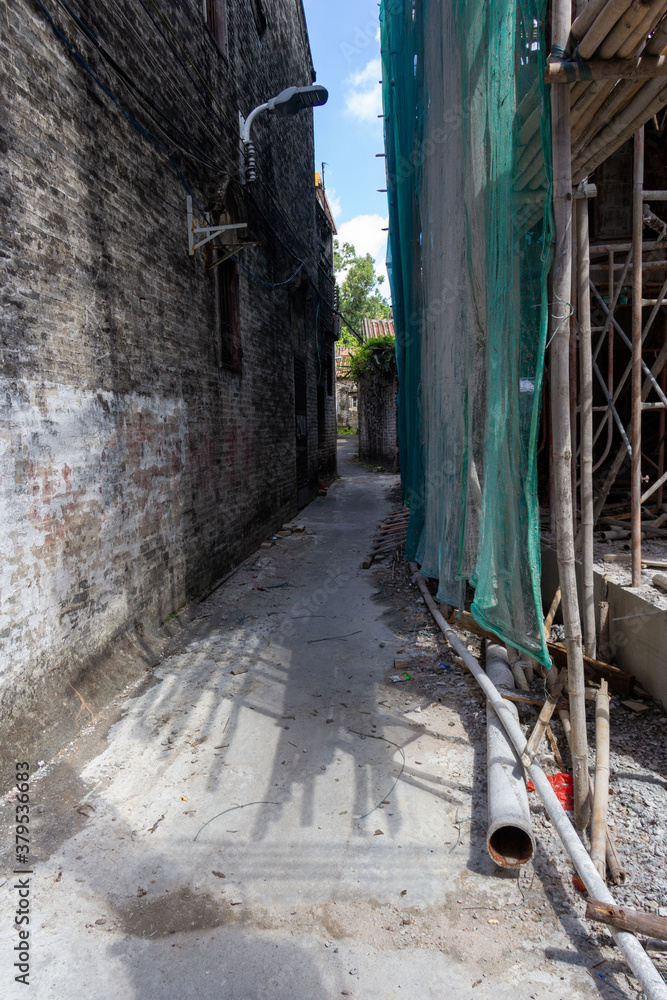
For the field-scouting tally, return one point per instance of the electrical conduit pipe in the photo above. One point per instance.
(509, 835)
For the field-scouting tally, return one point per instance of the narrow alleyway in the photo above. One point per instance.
(240, 833)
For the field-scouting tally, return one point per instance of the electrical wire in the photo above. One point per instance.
(171, 130)
(167, 77)
(268, 284)
(140, 128)
(235, 131)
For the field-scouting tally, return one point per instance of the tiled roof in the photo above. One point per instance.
(371, 328)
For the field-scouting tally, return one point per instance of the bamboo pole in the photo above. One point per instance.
(544, 717)
(644, 28)
(658, 40)
(624, 28)
(601, 794)
(636, 390)
(614, 867)
(601, 27)
(586, 426)
(636, 921)
(583, 22)
(613, 97)
(560, 342)
(650, 99)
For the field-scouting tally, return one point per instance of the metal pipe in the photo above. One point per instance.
(509, 834)
(624, 337)
(614, 411)
(615, 467)
(637, 294)
(649, 978)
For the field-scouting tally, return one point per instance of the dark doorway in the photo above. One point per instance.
(301, 418)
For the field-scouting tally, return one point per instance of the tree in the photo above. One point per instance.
(360, 295)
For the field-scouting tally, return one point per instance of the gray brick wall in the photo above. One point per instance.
(135, 469)
(378, 431)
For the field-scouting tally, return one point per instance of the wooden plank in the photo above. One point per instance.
(627, 920)
(640, 68)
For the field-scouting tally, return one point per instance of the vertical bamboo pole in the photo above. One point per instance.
(586, 424)
(601, 793)
(560, 403)
(574, 388)
(637, 291)
(661, 432)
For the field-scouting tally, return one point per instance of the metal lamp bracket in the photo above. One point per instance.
(210, 231)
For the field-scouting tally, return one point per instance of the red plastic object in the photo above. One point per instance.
(562, 786)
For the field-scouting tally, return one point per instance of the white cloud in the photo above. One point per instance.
(363, 99)
(334, 203)
(365, 234)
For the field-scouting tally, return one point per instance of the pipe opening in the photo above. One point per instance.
(510, 847)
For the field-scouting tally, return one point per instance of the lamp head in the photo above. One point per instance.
(295, 99)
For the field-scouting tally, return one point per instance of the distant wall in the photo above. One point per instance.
(347, 403)
(378, 422)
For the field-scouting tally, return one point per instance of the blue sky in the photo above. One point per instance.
(344, 38)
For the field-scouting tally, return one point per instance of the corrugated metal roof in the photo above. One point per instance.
(371, 328)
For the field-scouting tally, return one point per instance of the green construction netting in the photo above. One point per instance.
(468, 161)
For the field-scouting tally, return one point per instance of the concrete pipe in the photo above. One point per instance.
(509, 836)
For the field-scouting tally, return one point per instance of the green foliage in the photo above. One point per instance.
(360, 295)
(376, 359)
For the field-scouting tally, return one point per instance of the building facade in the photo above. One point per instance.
(161, 410)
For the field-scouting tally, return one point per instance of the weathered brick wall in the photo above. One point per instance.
(135, 469)
(347, 403)
(378, 432)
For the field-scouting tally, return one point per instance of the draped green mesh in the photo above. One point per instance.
(468, 158)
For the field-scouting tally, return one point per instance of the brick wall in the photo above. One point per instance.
(135, 468)
(378, 432)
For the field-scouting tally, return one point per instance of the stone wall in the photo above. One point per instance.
(378, 416)
(135, 467)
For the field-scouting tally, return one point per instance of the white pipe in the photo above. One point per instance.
(509, 834)
(649, 978)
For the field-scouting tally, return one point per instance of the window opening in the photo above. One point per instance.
(227, 279)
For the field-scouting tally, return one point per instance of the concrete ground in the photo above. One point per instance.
(270, 817)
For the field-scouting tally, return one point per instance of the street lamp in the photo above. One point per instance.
(288, 102)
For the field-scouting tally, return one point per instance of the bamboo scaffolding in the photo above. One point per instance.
(618, 38)
(601, 26)
(650, 99)
(637, 279)
(642, 30)
(560, 410)
(601, 793)
(586, 426)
